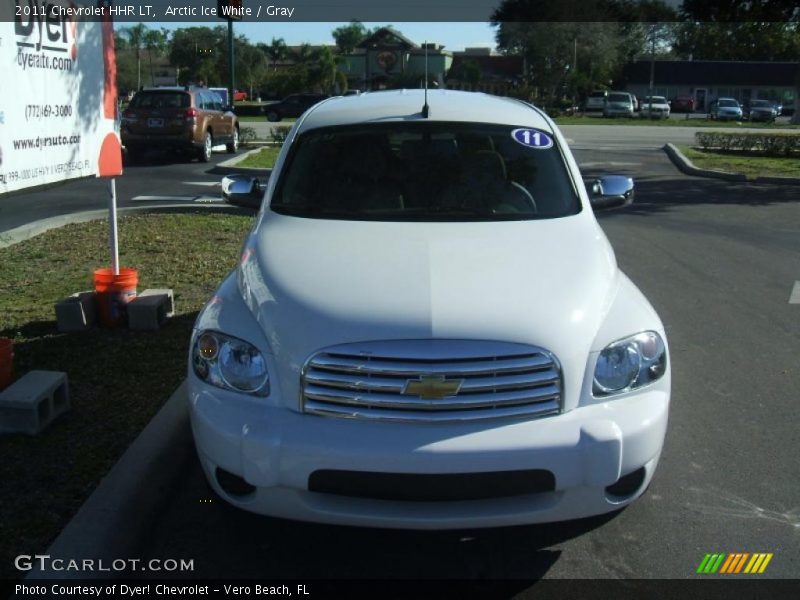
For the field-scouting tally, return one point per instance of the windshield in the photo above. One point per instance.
(160, 100)
(760, 104)
(425, 171)
(729, 103)
(619, 98)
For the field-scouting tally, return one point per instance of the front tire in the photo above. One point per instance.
(233, 146)
(205, 151)
(273, 117)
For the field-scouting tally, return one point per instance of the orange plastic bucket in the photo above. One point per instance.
(6, 362)
(113, 292)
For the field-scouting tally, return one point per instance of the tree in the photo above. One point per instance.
(195, 50)
(303, 55)
(561, 53)
(155, 41)
(323, 68)
(126, 63)
(277, 50)
(135, 36)
(250, 65)
(469, 73)
(349, 36)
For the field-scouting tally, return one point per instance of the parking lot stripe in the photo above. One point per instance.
(795, 297)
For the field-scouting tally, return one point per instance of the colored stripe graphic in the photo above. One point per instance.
(734, 563)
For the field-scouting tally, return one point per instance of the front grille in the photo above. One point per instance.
(432, 380)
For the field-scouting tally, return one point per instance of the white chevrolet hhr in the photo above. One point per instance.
(427, 327)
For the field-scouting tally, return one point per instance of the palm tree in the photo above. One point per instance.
(323, 72)
(135, 36)
(303, 55)
(277, 50)
(155, 42)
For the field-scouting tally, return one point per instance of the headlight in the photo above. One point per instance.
(230, 363)
(629, 364)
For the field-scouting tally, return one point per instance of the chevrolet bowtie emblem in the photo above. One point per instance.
(432, 387)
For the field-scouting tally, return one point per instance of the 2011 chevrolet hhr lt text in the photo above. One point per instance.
(427, 327)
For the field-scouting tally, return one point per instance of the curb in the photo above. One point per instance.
(118, 515)
(685, 165)
(229, 166)
(29, 230)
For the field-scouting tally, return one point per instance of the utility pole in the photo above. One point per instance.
(652, 67)
(231, 79)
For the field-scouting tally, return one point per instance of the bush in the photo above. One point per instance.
(247, 135)
(768, 144)
(279, 133)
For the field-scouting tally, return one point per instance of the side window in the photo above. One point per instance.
(216, 101)
(201, 100)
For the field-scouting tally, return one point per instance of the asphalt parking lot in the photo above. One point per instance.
(718, 260)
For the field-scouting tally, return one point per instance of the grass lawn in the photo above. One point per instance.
(681, 122)
(749, 164)
(264, 159)
(118, 379)
(263, 119)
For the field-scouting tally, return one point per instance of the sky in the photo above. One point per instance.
(454, 36)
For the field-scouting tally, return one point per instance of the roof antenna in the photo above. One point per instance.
(425, 109)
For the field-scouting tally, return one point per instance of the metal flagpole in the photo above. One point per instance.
(112, 225)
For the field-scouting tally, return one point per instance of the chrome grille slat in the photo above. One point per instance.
(454, 380)
(448, 403)
(512, 412)
(387, 367)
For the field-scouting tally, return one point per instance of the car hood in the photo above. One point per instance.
(313, 283)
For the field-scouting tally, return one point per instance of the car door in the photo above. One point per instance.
(222, 123)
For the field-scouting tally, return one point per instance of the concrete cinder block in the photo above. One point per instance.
(32, 402)
(76, 313)
(148, 313)
(160, 292)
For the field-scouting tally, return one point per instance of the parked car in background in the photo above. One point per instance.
(190, 119)
(759, 110)
(239, 96)
(682, 104)
(654, 107)
(725, 109)
(778, 106)
(292, 106)
(618, 104)
(596, 101)
(427, 327)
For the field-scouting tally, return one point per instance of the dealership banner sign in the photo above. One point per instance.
(58, 100)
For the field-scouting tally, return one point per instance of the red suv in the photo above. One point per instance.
(682, 104)
(189, 119)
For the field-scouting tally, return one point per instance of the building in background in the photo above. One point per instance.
(706, 81)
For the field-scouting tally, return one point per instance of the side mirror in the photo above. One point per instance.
(242, 190)
(610, 191)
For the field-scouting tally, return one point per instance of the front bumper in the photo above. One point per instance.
(276, 450)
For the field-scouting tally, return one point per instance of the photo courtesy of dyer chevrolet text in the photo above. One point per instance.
(161, 589)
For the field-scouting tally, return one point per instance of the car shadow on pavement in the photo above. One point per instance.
(228, 542)
(658, 195)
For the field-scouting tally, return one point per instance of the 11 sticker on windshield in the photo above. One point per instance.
(532, 138)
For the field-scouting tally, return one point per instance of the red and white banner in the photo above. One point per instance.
(58, 98)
